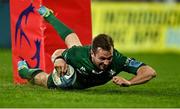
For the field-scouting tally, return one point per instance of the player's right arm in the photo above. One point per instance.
(59, 63)
(57, 54)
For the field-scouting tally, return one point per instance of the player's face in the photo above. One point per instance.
(102, 58)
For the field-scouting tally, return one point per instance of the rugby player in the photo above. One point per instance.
(80, 67)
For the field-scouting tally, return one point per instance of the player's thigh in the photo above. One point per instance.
(72, 39)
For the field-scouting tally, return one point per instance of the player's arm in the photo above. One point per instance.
(62, 57)
(68, 35)
(57, 54)
(144, 74)
(59, 62)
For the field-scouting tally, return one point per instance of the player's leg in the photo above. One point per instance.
(65, 32)
(35, 76)
(38, 77)
(41, 79)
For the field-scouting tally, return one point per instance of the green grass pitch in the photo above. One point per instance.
(163, 91)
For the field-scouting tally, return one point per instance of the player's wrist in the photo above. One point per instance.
(58, 57)
(130, 83)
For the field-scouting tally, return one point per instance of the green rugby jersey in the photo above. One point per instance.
(88, 74)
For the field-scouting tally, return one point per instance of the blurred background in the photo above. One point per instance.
(5, 35)
(135, 25)
(139, 25)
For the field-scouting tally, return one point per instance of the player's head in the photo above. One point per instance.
(102, 51)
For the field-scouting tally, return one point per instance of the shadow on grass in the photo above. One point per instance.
(158, 92)
(103, 90)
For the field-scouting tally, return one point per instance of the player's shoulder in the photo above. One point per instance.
(117, 53)
(79, 50)
(75, 47)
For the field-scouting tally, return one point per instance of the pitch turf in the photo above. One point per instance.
(163, 91)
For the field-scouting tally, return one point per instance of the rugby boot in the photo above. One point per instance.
(25, 72)
(44, 11)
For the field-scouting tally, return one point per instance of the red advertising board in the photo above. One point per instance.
(34, 39)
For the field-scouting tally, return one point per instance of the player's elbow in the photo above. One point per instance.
(147, 71)
(151, 72)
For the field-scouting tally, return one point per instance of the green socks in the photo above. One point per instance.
(25, 72)
(60, 27)
(28, 73)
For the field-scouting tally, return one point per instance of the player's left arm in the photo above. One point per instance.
(143, 72)
(143, 75)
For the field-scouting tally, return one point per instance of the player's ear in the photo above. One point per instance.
(92, 53)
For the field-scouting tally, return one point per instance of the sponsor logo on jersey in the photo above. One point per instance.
(95, 72)
(112, 72)
(132, 63)
(82, 70)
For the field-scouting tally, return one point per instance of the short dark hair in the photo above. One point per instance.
(103, 41)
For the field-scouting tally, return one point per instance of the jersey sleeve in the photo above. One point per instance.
(127, 64)
(73, 54)
(132, 65)
(68, 54)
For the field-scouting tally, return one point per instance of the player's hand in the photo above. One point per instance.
(61, 66)
(121, 81)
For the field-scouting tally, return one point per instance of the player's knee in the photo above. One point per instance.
(41, 79)
(72, 39)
